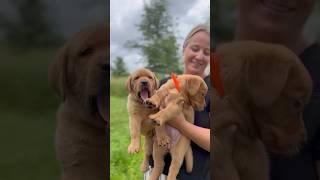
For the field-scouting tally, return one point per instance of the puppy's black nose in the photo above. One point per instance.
(144, 82)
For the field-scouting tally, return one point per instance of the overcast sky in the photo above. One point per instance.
(71, 15)
(126, 14)
(66, 16)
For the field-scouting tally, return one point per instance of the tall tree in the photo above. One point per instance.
(32, 28)
(119, 68)
(158, 45)
(223, 21)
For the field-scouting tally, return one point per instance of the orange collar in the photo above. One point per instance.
(215, 78)
(175, 81)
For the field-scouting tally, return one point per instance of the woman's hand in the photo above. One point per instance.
(199, 135)
(178, 122)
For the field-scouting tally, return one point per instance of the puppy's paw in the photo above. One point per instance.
(151, 103)
(164, 141)
(144, 167)
(156, 119)
(156, 122)
(133, 148)
(149, 106)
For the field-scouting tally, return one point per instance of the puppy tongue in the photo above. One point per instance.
(144, 94)
(102, 107)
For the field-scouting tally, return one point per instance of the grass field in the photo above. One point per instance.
(27, 147)
(122, 165)
(117, 87)
(27, 116)
(27, 121)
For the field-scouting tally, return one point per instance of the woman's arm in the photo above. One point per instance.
(199, 135)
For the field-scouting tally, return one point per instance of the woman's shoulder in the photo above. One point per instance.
(164, 80)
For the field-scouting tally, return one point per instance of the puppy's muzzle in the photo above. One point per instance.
(144, 83)
(144, 93)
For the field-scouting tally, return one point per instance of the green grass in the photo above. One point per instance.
(27, 116)
(122, 165)
(117, 87)
(25, 80)
(27, 146)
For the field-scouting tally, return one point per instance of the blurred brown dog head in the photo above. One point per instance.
(142, 84)
(277, 87)
(280, 88)
(81, 67)
(195, 89)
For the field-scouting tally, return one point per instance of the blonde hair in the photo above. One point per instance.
(198, 28)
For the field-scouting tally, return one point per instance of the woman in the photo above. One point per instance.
(196, 57)
(283, 22)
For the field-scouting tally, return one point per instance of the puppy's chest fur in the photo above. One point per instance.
(138, 112)
(78, 123)
(80, 137)
(188, 113)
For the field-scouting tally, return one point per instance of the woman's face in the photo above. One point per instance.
(197, 54)
(275, 16)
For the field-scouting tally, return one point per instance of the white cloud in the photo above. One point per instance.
(125, 14)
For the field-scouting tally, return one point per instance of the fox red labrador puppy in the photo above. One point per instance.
(171, 102)
(261, 89)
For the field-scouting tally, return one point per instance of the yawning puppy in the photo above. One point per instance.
(172, 102)
(141, 85)
(265, 89)
(79, 76)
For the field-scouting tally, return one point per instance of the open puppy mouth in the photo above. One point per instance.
(102, 107)
(144, 93)
(98, 106)
(102, 96)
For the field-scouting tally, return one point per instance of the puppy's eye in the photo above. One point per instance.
(149, 77)
(137, 77)
(86, 51)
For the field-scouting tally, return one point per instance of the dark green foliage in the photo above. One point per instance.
(119, 68)
(31, 28)
(158, 45)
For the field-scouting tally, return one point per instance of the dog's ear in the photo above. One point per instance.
(57, 74)
(193, 86)
(266, 77)
(156, 81)
(129, 84)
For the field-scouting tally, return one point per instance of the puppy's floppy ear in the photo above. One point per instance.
(193, 86)
(266, 77)
(156, 81)
(129, 84)
(57, 75)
